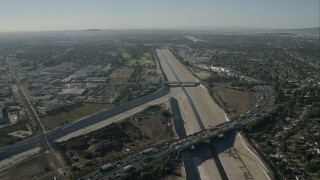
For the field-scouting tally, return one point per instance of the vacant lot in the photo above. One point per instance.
(201, 74)
(152, 124)
(237, 100)
(139, 131)
(34, 168)
(51, 122)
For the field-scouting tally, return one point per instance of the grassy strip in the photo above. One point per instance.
(130, 61)
(51, 122)
(6, 139)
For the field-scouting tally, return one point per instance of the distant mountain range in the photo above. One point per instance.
(229, 29)
(237, 29)
(93, 30)
(315, 30)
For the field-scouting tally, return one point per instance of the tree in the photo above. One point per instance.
(308, 156)
(166, 114)
(145, 175)
(312, 166)
(88, 155)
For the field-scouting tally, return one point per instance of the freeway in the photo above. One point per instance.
(139, 160)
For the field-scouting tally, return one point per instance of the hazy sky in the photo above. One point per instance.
(37, 15)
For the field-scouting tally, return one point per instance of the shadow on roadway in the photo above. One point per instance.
(187, 155)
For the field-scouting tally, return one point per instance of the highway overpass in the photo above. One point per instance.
(181, 83)
(138, 159)
(198, 111)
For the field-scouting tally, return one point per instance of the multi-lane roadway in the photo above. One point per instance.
(123, 167)
(136, 161)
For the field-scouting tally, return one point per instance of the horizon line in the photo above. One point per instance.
(181, 28)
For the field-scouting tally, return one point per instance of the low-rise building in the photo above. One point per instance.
(96, 79)
(72, 91)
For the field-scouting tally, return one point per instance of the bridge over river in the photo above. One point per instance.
(141, 159)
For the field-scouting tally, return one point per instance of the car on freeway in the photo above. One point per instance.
(119, 163)
(128, 168)
(107, 167)
(148, 159)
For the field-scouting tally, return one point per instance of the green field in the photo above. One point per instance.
(126, 55)
(51, 122)
(130, 61)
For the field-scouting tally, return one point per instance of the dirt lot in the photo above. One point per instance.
(139, 131)
(202, 74)
(51, 122)
(237, 100)
(34, 168)
(121, 75)
(152, 124)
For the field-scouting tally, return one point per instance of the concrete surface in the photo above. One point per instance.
(242, 165)
(203, 160)
(18, 157)
(117, 117)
